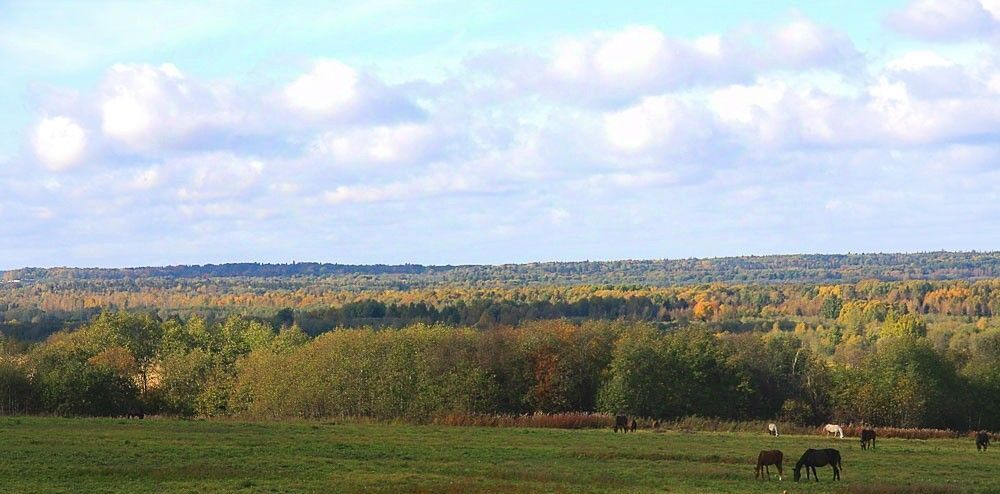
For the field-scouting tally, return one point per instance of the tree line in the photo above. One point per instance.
(33, 312)
(800, 268)
(879, 365)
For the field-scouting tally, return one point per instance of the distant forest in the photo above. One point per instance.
(907, 340)
(319, 297)
(814, 268)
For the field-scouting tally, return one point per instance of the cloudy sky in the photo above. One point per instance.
(141, 133)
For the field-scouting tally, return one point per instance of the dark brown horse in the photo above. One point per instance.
(867, 438)
(982, 441)
(621, 423)
(632, 425)
(765, 458)
(813, 458)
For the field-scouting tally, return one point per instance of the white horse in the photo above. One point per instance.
(834, 429)
(772, 429)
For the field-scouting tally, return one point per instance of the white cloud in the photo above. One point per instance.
(146, 179)
(217, 175)
(429, 185)
(918, 60)
(558, 216)
(148, 111)
(59, 142)
(382, 144)
(570, 59)
(150, 108)
(330, 87)
(739, 104)
(751, 123)
(948, 20)
(802, 43)
(631, 54)
(642, 60)
(655, 122)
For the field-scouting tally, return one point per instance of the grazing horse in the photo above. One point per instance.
(772, 429)
(834, 429)
(982, 441)
(867, 438)
(136, 411)
(765, 458)
(621, 423)
(813, 458)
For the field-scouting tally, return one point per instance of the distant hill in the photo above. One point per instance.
(805, 268)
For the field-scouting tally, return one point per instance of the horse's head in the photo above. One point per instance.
(798, 473)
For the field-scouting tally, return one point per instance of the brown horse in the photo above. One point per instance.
(813, 458)
(765, 458)
(867, 438)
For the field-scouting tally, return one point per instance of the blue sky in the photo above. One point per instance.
(489, 132)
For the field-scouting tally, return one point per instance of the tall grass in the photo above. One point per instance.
(579, 420)
(898, 489)
(542, 420)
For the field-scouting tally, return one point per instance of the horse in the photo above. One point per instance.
(621, 423)
(867, 438)
(633, 425)
(982, 441)
(765, 458)
(834, 429)
(813, 458)
(772, 429)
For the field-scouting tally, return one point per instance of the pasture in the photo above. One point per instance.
(113, 455)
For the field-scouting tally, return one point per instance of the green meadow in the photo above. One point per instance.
(48, 455)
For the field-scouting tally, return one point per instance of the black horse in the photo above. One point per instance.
(867, 438)
(813, 458)
(621, 423)
(982, 441)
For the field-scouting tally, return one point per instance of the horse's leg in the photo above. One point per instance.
(780, 473)
(815, 475)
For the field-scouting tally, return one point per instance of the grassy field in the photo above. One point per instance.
(107, 455)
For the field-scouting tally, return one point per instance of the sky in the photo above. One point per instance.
(452, 132)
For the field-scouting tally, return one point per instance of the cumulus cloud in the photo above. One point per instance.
(217, 175)
(948, 20)
(383, 144)
(331, 90)
(330, 87)
(420, 187)
(149, 108)
(586, 131)
(670, 124)
(643, 60)
(59, 142)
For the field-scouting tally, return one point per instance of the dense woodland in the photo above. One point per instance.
(815, 268)
(910, 353)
